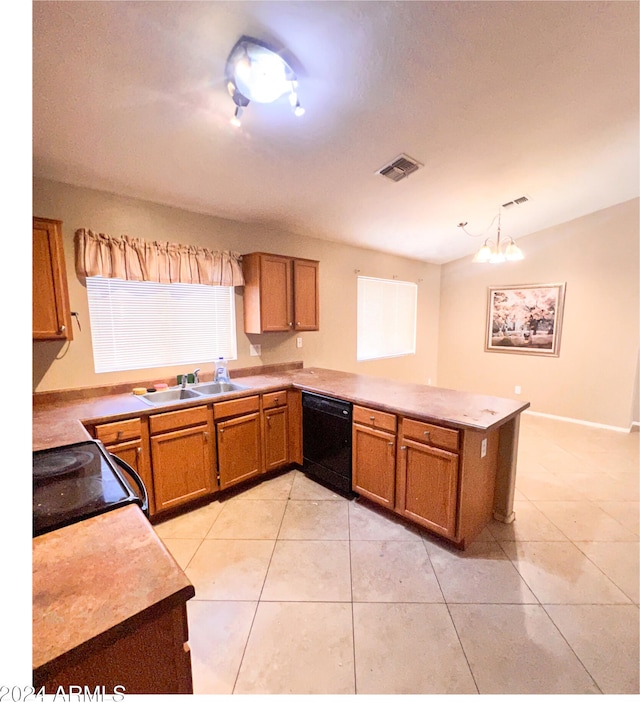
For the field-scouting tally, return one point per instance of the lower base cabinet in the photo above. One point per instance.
(427, 487)
(238, 440)
(275, 430)
(437, 477)
(374, 464)
(183, 458)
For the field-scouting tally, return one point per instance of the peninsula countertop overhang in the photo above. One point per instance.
(62, 422)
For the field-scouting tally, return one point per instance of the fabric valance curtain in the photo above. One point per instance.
(129, 258)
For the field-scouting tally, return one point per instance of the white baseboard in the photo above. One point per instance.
(595, 425)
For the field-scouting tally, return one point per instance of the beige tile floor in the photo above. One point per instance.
(301, 591)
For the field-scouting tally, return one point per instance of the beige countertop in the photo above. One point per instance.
(95, 575)
(116, 566)
(61, 422)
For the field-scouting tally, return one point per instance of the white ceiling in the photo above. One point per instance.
(496, 99)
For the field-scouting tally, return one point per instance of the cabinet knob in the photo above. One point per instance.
(120, 433)
(403, 448)
(391, 443)
(297, 324)
(372, 419)
(426, 434)
(139, 450)
(62, 329)
(206, 436)
(290, 324)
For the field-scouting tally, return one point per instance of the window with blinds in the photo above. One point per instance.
(138, 324)
(386, 318)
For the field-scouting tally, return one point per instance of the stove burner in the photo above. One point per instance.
(79, 481)
(49, 465)
(63, 496)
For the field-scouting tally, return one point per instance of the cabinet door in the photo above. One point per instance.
(427, 486)
(133, 453)
(182, 466)
(238, 449)
(276, 301)
(50, 296)
(276, 438)
(374, 464)
(305, 291)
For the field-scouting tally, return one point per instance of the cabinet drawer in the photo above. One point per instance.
(374, 418)
(114, 432)
(231, 408)
(430, 434)
(274, 399)
(178, 419)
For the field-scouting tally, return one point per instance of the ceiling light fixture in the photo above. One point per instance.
(498, 251)
(256, 72)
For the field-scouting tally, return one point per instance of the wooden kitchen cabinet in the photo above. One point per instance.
(294, 406)
(427, 476)
(50, 296)
(280, 293)
(427, 486)
(129, 440)
(374, 455)
(238, 436)
(275, 430)
(182, 456)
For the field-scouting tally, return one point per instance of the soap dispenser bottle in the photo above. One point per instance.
(222, 373)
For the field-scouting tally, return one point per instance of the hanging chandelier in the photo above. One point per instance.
(496, 251)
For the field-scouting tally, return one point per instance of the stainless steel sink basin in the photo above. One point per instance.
(217, 388)
(163, 397)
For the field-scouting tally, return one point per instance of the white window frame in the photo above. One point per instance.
(386, 318)
(137, 324)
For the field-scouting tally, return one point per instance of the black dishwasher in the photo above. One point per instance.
(326, 441)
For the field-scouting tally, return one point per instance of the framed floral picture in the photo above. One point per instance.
(525, 319)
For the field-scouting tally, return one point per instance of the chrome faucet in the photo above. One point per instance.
(195, 376)
(185, 378)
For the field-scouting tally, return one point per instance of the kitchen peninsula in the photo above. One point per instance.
(463, 444)
(59, 421)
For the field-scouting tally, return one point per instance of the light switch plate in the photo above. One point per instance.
(299, 342)
(483, 448)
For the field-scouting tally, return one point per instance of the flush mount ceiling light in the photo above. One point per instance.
(498, 251)
(256, 72)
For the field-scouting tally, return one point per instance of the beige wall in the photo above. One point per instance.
(594, 377)
(60, 365)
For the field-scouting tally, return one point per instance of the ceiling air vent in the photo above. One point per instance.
(517, 201)
(400, 168)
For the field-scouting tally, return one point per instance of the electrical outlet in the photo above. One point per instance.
(255, 349)
(428, 381)
(299, 342)
(518, 390)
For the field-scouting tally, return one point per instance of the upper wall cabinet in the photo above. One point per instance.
(280, 293)
(51, 311)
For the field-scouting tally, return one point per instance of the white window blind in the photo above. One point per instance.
(386, 318)
(137, 324)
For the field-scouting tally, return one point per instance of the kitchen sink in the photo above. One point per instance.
(218, 388)
(163, 397)
(166, 397)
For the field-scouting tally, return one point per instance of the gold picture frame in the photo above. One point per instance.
(525, 319)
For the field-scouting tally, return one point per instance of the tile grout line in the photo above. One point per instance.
(353, 621)
(255, 613)
(575, 653)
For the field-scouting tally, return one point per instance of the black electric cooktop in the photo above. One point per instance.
(75, 482)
